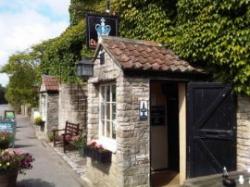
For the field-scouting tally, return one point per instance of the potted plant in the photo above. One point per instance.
(13, 162)
(97, 152)
(5, 139)
(39, 122)
(79, 143)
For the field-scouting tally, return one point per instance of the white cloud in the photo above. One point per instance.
(22, 29)
(59, 6)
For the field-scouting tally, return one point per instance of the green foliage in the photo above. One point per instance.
(22, 70)
(78, 9)
(146, 19)
(216, 34)
(38, 121)
(58, 56)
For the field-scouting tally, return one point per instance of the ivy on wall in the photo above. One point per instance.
(215, 34)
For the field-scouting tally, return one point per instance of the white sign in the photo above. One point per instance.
(143, 110)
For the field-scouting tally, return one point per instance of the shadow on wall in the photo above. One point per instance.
(34, 183)
(100, 166)
(78, 100)
(77, 96)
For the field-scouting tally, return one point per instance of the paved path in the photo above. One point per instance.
(49, 169)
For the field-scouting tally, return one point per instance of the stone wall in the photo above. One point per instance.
(132, 134)
(48, 108)
(100, 175)
(72, 104)
(52, 112)
(130, 162)
(243, 133)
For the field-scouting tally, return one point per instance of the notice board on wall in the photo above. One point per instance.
(157, 115)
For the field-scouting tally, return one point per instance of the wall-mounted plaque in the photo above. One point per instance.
(100, 25)
(143, 110)
(157, 115)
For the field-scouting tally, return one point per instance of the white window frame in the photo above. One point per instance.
(106, 140)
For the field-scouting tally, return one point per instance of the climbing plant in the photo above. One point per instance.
(214, 34)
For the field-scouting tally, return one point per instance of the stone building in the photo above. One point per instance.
(72, 104)
(162, 118)
(48, 102)
(127, 74)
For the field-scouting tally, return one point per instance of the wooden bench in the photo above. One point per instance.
(71, 130)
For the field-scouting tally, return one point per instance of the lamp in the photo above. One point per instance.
(84, 68)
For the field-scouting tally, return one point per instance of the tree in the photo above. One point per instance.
(22, 69)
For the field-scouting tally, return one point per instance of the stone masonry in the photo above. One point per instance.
(49, 111)
(130, 162)
(72, 104)
(52, 112)
(243, 132)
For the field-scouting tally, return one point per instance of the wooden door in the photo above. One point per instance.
(211, 129)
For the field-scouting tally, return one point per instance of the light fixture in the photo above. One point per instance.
(84, 68)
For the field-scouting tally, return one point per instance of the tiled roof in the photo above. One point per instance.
(50, 83)
(145, 56)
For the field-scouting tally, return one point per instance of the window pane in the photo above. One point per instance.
(113, 93)
(108, 111)
(113, 129)
(103, 128)
(108, 93)
(103, 92)
(108, 129)
(114, 111)
(102, 111)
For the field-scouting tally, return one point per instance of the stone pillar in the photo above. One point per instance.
(243, 133)
(93, 111)
(133, 135)
(52, 112)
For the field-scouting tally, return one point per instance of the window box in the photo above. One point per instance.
(98, 154)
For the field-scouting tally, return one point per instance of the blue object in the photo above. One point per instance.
(102, 29)
(10, 127)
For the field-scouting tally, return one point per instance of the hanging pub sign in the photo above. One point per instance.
(143, 111)
(100, 25)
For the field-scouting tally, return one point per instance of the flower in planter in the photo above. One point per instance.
(38, 121)
(5, 139)
(13, 160)
(95, 144)
(97, 152)
(79, 141)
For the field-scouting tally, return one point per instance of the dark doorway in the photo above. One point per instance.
(164, 140)
(171, 91)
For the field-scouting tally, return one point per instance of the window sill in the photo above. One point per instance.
(108, 143)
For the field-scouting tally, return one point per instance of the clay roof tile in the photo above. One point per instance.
(146, 55)
(50, 83)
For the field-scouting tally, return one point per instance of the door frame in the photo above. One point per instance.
(182, 101)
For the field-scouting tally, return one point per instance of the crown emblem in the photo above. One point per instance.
(102, 29)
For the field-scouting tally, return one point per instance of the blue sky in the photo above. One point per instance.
(24, 23)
